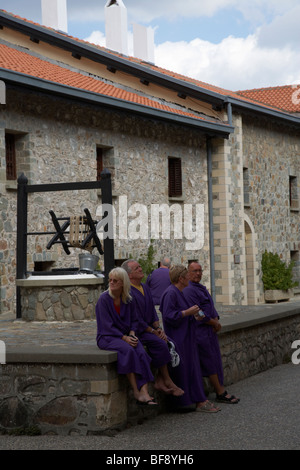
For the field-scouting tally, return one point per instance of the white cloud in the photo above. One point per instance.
(234, 63)
(97, 37)
(267, 57)
(283, 30)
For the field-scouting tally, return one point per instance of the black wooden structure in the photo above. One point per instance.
(59, 236)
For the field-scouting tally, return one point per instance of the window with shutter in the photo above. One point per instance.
(293, 192)
(10, 153)
(175, 177)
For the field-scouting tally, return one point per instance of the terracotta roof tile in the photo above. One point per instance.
(286, 98)
(283, 98)
(22, 62)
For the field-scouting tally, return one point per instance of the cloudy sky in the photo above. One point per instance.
(235, 44)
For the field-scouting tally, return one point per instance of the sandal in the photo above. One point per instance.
(226, 398)
(146, 403)
(208, 407)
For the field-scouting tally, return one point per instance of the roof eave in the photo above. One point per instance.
(270, 112)
(45, 86)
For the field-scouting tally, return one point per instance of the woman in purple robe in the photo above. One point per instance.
(178, 318)
(116, 324)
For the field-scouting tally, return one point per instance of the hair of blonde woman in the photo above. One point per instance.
(176, 271)
(120, 273)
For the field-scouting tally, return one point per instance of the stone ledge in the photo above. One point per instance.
(49, 281)
(77, 354)
(258, 316)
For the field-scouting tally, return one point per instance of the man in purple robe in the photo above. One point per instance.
(206, 333)
(149, 330)
(159, 280)
(178, 318)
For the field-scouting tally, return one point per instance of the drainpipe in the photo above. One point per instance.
(229, 113)
(210, 217)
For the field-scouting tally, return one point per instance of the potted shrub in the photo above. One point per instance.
(277, 278)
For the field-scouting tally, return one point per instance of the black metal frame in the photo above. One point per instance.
(22, 220)
(59, 235)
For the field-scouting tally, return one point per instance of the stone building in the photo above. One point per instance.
(203, 172)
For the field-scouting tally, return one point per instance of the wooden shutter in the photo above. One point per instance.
(10, 149)
(175, 177)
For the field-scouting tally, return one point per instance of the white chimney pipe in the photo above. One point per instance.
(54, 14)
(143, 42)
(116, 26)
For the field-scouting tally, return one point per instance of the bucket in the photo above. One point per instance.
(88, 262)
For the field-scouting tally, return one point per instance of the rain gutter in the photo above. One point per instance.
(27, 81)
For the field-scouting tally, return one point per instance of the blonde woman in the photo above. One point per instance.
(116, 324)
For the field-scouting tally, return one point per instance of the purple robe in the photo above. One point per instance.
(111, 327)
(207, 339)
(188, 374)
(157, 348)
(158, 281)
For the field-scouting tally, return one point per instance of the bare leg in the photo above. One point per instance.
(141, 395)
(165, 384)
(220, 389)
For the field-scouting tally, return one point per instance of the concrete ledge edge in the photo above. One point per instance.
(59, 354)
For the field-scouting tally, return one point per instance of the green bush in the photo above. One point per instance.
(275, 273)
(147, 262)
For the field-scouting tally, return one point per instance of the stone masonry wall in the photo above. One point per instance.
(252, 209)
(67, 303)
(271, 155)
(252, 350)
(56, 141)
(63, 399)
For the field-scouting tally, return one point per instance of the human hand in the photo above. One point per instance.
(161, 334)
(216, 325)
(132, 340)
(191, 311)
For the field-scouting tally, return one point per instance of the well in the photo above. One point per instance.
(60, 298)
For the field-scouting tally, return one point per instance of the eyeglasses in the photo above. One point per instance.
(114, 281)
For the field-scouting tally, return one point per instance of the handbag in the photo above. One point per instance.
(175, 361)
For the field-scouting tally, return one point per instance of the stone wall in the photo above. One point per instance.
(63, 399)
(68, 392)
(252, 174)
(271, 156)
(249, 351)
(60, 299)
(57, 142)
